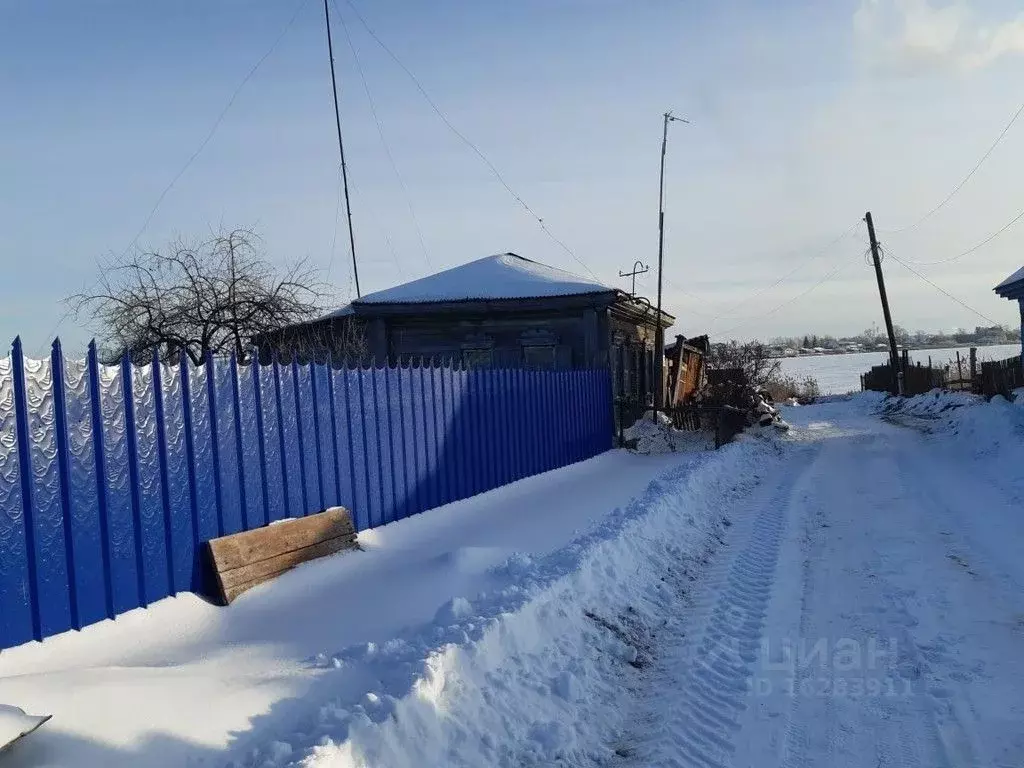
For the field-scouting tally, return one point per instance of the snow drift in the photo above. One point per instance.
(532, 671)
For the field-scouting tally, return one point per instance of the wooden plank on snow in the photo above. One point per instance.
(243, 560)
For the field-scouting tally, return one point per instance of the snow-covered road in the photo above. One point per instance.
(868, 611)
(848, 594)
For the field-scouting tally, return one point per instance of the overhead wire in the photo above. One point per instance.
(974, 170)
(199, 149)
(941, 290)
(973, 248)
(383, 138)
(841, 267)
(815, 255)
(465, 140)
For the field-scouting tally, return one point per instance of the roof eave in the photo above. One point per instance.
(1014, 290)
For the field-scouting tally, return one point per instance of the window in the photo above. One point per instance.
(478, 357)
(539, 357)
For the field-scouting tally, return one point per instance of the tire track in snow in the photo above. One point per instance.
(713, 667)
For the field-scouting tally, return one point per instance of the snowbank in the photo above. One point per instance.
(533, 671)
(123, 693)
(652, 437)
(991, 430)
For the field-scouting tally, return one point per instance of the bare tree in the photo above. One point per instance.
(216, 294)
(753, 358)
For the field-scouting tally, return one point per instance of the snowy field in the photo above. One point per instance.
(848, 594)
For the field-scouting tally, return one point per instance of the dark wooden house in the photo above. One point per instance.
(501, 311)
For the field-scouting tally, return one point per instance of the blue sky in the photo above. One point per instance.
(805, 114)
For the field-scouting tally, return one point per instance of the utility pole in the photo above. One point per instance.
(894, 357)
(659, 332)
(341, 149)
(639, 268)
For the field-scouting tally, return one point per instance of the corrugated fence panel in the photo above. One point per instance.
(410, 449)
(294, 481)
(277, 502)
(16, 590)
(179, 493)
(113, 477)
(327, 461)
(385, 444)
(307, 438)
(372, 448)
(86, 539)
(227, 447)
(202, 437)
(345, 464)
(151, 510)
(52, 582)
(124, 573)
(251, 451)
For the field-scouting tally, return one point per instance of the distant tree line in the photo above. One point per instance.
(874, 336)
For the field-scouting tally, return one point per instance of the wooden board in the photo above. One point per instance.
(243, 560)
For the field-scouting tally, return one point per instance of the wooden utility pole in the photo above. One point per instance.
(894, 357)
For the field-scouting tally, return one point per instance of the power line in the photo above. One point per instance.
(822, 251)
(216, 124)
(944, 292)
(198, 151)
(973, 248)
(383, 139)
(842, 266)
(465, 140)
(966, 178)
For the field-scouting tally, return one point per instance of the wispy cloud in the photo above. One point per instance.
(911, 36)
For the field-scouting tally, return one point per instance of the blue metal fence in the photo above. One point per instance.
(113, 477)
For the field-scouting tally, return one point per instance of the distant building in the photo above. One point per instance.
(1013, 288)
(502, 311)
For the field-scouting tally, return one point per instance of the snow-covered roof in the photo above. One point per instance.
(502, 276)
(1012, 280)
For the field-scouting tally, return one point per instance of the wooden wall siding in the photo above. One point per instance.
(446, 337)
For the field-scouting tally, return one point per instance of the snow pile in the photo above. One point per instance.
(14, 724)
(990, 430)
(649, 437)
(533, 671)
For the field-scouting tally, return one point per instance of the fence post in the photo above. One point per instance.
(302, 440)
(25, 471)
(261, 447)
(240, 452)
(211, 396)
(190, 462)
(132, 441)
(60, 419)
(161, 447)
(280, 437)
(100, 460)
(316, 433)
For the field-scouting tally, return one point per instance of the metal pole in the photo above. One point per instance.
(894, 358)
(659, 332)
(341, 150)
